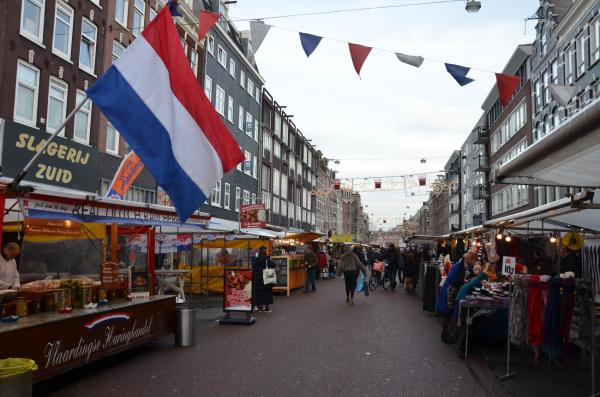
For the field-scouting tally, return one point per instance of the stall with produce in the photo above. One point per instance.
(87, 269)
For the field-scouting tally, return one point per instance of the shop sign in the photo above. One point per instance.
(508, 265)
(75, 339)
(64, 163)
(99, 212)
(52, 228)
(238, 290)
(253, 216)
(109, 275)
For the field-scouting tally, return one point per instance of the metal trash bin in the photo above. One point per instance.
(185, 321)
(16, 377)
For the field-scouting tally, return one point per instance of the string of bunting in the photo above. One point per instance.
(507, 84)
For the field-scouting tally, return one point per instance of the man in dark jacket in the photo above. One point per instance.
(311, 263)
(393, 261)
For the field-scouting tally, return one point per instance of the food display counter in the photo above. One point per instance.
(61, 342)
(290, 271)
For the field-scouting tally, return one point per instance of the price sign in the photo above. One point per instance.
(280, 263)
(508, 265)
(109, 275)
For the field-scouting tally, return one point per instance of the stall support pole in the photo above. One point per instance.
(114, 243)
(508, 374)
(2, 204)
(151, 257)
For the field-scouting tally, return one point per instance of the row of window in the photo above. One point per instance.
(134, 193)
(512, 197)
(513, 124)
(514, 152)
(241, 196)
(224, 105)
(32, 27)
(245, 82)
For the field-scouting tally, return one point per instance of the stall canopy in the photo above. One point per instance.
(263, 232)
(304, 237)
(568, 156)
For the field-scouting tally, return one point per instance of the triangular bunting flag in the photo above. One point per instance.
(459, 73)
(506, 87)
(412, 60)
(258, 32)
(309, 42)
(207, 21)
(359, 54)
(562, 93)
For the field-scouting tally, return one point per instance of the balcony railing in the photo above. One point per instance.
(482, 135)
(454, 209)
(482, 163)
(479, 192)
(478, 219)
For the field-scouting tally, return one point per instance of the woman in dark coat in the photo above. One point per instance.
(263, 295)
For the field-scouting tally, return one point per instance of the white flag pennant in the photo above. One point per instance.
(562, 93)
(412, 60)
(258, 32)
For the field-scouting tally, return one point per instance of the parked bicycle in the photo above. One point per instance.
(379, 276)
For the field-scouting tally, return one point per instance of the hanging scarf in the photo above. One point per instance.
(534, 313)
(518, 312)
(566, 307)
(552, 313)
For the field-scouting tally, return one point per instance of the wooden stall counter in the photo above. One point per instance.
(61, 342)
(290, 272)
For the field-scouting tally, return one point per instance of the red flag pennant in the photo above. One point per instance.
(359, 54)
(506, 87)
(207, 21)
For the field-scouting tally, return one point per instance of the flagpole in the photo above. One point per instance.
(19, 177)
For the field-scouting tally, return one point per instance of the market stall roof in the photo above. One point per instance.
(568, 156)
(81, 207)
(263, 232)
(304, 237)
(424, 238)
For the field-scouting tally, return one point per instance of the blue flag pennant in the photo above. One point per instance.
(172, 4)
(309, 42)
(459, 73)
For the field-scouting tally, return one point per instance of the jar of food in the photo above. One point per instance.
(60, 298)
(21, 308)
(86, 295)
(36, 305)
(101, 295)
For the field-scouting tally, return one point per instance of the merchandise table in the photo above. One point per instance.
(61, 342)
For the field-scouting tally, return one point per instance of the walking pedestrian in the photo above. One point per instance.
(392, 259)
(349, 266)
(312, 265)
(264, 293)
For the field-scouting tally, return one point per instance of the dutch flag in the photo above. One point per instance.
(151, 95)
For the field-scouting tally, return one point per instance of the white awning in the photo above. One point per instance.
(262, 232)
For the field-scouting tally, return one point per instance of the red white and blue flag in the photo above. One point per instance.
(151, 95)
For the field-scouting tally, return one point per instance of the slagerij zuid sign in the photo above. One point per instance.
(65, 163)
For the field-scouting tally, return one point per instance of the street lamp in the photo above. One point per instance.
(473, 6)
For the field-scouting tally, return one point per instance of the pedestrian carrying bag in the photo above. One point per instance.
(269, 276)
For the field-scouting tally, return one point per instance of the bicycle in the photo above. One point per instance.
(379, 276)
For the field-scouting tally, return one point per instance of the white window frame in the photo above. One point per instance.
(142, 14)
(250, 88)
(246, 197)
(194, 61)
(249, 123)
(153, 14)
(25, 33)
(257, 94)
(580, 64)
(210, 44)
(253, 201)
(120, 47)
(67, 10)
(125, 5)
(230, 107)
(36, 92)
(208, 87)
(220, 100)
(95, 47)
(114, 151)
(61, 86)
(254, 167)
(86, 110)
(256, 130)
(215, 197)
(232, 67)
(238, 198)
(595, 40)
(222, 56)
(247, 159)
(227, 196)
(241, 118)
(242, 78)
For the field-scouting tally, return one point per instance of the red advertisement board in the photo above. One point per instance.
(238, 290)
(253, 216)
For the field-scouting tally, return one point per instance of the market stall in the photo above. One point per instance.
(87, 267)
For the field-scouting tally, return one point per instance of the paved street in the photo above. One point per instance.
(311, 345)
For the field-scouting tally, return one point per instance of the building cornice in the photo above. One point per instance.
(575, 14)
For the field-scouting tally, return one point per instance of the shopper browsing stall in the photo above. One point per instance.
(264, 293)
(9, 276)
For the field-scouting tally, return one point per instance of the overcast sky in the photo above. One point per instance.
(395, 113)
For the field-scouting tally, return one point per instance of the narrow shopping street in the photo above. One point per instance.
(310, 345)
